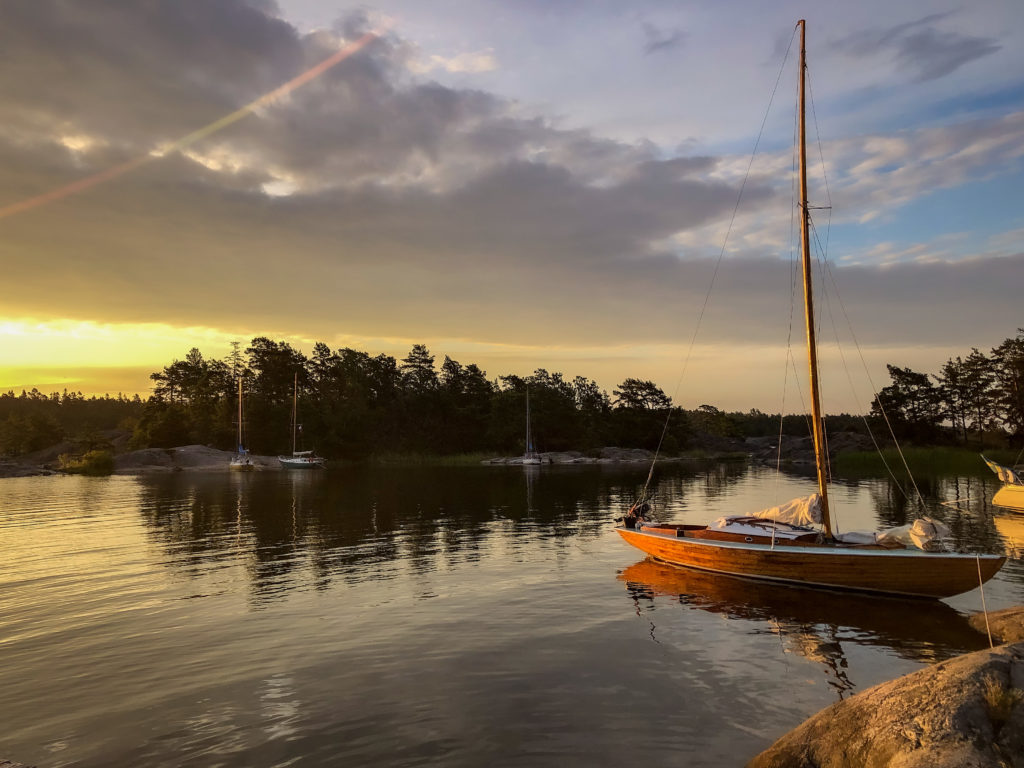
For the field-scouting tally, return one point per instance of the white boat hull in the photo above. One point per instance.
(301, 462)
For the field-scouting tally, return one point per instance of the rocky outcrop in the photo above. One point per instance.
(966, 712)
(1007, 625)
(187, 457)
(800, 450)
(606, 456)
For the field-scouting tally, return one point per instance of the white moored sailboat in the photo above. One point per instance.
(1012, 493)
(299, 459)
(784, 543)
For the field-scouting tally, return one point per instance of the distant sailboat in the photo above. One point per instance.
(1012, 493)
(531, 456)
(241, 460)
(783, 543)
(299, 459)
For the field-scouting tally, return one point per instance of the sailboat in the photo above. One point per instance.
(783, 543)
(1012, 493)
(531, 457)
(241, 460)
(299, 459)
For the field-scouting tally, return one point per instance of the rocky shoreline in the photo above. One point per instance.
(794, 451)
(201, 458)
(186, 458)
(967, 711)
(606, 456)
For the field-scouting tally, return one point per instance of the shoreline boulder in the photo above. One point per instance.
(1007, 625)
(965, 712)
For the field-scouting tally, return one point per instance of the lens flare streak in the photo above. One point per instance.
(110, 173)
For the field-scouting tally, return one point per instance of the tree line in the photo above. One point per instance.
(972, 400)
(33, 421)
(353, 405)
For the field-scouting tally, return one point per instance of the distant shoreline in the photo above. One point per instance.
(201, 458)
(849, 457)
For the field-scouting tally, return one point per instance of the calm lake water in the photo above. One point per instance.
(448, 616)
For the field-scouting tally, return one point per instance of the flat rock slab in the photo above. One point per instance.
(195, 458)
(1007, 625)
(967, 712)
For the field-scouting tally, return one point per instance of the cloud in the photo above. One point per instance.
(374, 203)
(469, 62)
(869, 178)
(660, 40)
(920, 47)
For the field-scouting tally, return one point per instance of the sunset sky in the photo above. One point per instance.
(514, 183)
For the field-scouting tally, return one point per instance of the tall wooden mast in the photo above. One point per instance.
(529, 437)
(295, 411)
(805, 247)
(239, 414)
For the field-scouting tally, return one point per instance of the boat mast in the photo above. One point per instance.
(295, 411)
(529, 441)
(239, 414)
(805, 247)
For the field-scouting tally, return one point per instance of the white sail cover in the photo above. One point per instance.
(925, 533)
(800, 511)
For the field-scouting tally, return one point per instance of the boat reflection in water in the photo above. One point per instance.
(813, 623)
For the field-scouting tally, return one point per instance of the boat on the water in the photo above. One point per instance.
(241, 460)
(299, 459)
(1012, 492)
(795, 543)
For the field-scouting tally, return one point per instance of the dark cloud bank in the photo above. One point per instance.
(419, 210)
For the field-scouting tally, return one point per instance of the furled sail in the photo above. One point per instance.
(805, 510)
(925, 533)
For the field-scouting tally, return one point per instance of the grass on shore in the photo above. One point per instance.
(942, 459)
(95, 463)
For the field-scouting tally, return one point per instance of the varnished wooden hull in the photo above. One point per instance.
(911, 573)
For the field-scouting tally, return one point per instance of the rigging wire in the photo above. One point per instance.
(874, 389)
(821, 155)
(792, 300)
(718, 264)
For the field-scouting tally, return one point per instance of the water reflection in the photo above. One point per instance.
(362, 524)
(358, 524)
(385, 616)
(813, 623)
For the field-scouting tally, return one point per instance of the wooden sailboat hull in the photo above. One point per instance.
(911, 573)
(1010, 496)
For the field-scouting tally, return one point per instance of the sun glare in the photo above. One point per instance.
(47, 353)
